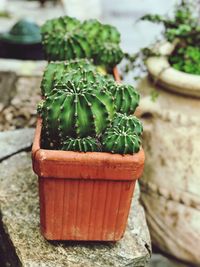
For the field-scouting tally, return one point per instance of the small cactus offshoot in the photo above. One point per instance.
(84, 144)
(129, 122)
(108, 54)
(126, 98)
(120, 140)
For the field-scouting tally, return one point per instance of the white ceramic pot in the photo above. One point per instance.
(165, 75)
(171, 181)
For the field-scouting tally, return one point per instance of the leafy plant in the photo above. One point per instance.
(184, 27)
(186, 59)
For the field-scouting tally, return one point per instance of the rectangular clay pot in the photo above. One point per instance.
(84, 196)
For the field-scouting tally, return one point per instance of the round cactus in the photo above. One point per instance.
(88, 77)
(126, 98)
(120, 140)
(77, 111)
(84, 144)
(108, 54)
(59, 24)
(100, 32)
(62, 39)
(128, 121)
(66, 38)
(56, 71)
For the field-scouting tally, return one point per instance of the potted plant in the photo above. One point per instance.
(86, 151)
(23, 41)
(170, 185)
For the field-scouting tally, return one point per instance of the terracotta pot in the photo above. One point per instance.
(84, 196)
(171, 79)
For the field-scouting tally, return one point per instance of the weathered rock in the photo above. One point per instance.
(20, 220)
(159, 260)
(12, 142)
(7, 87)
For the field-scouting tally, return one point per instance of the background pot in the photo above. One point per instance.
(84, 196)
(171, 79)
(171, 180)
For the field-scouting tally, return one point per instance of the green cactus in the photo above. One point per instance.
(62, 39)
(126, 97)
(128, 121)
(76, 111)
(56, 71)
(59, 24)
(84, 144)
(66, 38)
(100, 32)
(108, 54)
(120, 140)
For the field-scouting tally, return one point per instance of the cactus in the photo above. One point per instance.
(66, 38)
(120, 140)
(108, 54)
(55, 71)
(76, 111)
(84, 144)
(100, 32)
(126, 98)
(128, 121)
(61, 39)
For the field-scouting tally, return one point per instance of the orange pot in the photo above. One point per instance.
(84, 196)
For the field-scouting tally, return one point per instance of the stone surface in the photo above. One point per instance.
(20, 219)
(12, 142)
(159, 260)
(7, 80)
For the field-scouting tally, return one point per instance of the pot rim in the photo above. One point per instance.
(102, 165)
(165, 75)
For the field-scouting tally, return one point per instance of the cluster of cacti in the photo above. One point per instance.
(86, 111)
(67, 38)
(83, 109)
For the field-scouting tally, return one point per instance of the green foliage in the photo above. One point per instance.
(186, 59)
(120, 139)
(67, 38)
(184, 27)
(84, 144)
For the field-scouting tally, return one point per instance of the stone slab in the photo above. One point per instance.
(20, 221)
(159, 260)
(12, 142)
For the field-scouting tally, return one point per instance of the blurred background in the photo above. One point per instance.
(22, 62)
